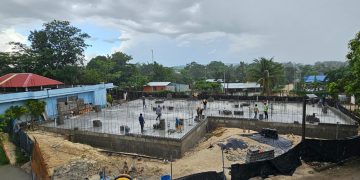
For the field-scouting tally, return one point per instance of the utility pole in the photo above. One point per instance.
(224, 83)
(152, 55)
(303, 121)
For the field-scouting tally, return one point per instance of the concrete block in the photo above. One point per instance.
(241, 113)
(97, 123)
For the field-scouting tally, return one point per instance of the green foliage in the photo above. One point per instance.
(56, 51)
(354, 63)
(3, 158)
(21, 157)
(193, 72)
(216, 69)
(14, 112)
(58, 44)
(109, 98)
(3, 124)
(207, 86)
(267, 72)
(35, 108)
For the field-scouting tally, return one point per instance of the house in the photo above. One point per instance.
(214, 80)
(32, 87)
(158, 86)
(242, 89)
(26, 82)
(180, 87)
(166, 86)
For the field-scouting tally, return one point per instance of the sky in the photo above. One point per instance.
(181, 31)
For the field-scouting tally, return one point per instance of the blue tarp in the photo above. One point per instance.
(317, 78)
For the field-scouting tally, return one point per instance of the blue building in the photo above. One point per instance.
(91, 94)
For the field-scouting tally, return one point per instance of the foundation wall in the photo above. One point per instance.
(166, 147)
(147, 145)
(324, 131)
(194, 136)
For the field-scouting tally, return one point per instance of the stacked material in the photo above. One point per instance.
(255, 154)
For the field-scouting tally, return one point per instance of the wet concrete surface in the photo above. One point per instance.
(8, 172)
(128, 113)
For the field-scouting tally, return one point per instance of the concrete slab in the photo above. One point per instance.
(128, 113)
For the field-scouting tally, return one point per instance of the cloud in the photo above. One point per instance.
(303, 31)
(10, 35)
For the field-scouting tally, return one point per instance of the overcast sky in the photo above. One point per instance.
(181, 31)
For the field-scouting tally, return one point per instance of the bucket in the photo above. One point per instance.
(165, 177)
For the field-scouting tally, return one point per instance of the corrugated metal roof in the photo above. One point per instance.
(158, 83)
(23, 80)
(311, 79)
(240, 85)
(214, 80)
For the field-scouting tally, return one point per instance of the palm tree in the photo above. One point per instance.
(266, 72)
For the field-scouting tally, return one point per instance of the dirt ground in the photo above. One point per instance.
(73, 160)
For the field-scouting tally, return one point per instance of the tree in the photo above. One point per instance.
(338, 81)
(59, 44)
(207, 86)
(354, 62)
(35, 108)
(240, 72)
(55, 50)
(193, 72)
(267, 72)
(14, 112)
(216, 69)
(102, 69)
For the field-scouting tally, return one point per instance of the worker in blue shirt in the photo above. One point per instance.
(142, 122)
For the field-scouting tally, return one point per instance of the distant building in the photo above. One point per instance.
(32, 87)
(243, 89)
(156, 86)
(26, 82)
(314, 83)
(180, 87)
(215, 80)
(316, 78)
(166, 86)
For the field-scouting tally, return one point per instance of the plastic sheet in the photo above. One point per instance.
(234, 144)
(281, 144)
(210, 175)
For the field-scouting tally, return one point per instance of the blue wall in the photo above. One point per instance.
(95, 94)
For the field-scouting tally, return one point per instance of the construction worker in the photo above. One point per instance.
(266, 109)
(256, 111)
(204, 102)
(158, 112)
(143, 100)
(199, 112)
(142, 122)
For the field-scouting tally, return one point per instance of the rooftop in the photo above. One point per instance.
(241, 85)
(24, 80)
(158, 83)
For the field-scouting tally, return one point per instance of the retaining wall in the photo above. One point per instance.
(193, 137)
(161, 147)
(164, 147)
(324, 131)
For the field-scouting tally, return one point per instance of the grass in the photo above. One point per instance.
(21, 157)
(3, 158)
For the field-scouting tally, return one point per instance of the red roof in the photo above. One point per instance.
(22, 80)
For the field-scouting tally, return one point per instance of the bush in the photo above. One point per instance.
(3, 158)
(21, 157)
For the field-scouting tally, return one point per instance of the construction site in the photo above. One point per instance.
(87, 140)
